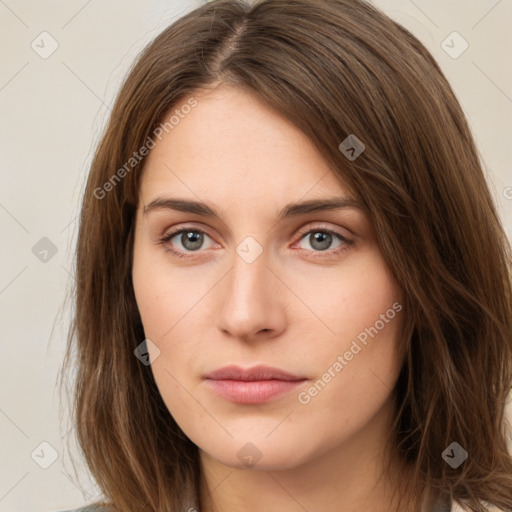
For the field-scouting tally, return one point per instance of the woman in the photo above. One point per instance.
(293, 288)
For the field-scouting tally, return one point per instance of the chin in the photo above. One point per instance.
(262, 455)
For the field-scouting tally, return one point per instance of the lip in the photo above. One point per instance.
(252, 385)
(259, 372)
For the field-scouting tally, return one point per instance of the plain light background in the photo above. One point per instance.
(52, 113)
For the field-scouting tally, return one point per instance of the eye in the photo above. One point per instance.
(322, 240)
(186, 240)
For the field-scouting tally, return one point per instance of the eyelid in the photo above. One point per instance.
(172, 232)
(325, 255)
(308, 229)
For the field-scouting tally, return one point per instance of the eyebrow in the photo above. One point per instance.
(290, 210)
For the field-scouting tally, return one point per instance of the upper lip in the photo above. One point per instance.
(259, 372)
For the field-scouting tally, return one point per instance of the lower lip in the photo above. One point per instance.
(252, 392)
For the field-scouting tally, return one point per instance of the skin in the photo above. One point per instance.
(296, 307)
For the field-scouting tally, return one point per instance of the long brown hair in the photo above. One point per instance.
(334, 68)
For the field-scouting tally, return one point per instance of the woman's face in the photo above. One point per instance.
(239, 261)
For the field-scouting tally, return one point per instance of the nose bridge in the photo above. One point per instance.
(249, 304)
(249, 262)
(248, 282)
(248, 276)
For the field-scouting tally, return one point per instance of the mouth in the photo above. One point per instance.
(253, 385)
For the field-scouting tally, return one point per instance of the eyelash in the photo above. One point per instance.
(316, 254)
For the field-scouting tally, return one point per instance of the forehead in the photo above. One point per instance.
(230, 144)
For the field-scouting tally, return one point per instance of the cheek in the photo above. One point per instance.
(351, 298)
(359, 315)
(164, 297)
(165, 293)
(354, 382)
(168, 299)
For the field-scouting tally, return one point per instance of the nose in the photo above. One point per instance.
(252, 301)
